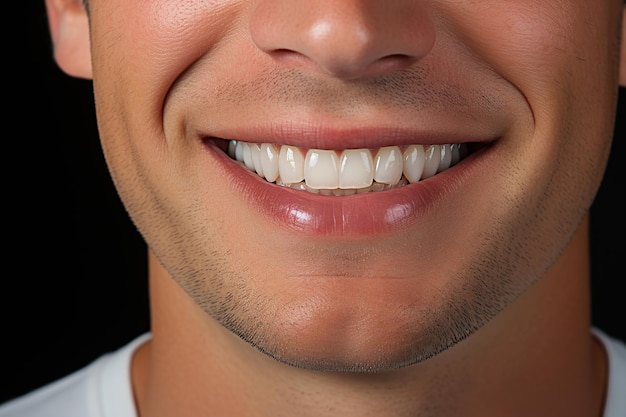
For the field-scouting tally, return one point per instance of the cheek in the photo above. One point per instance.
(141, 49)
(160, 38)
(560, 56)
(535, 45)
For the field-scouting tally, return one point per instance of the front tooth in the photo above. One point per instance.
(356, 168)
(321, 169)
(290, 164)
(269, 161)
(432, 156)
(413, 162)
(388, 165)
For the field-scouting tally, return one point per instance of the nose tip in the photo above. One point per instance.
(345, 39)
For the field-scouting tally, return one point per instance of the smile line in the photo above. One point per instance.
(351, 171)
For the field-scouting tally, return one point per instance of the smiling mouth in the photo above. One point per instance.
(351, 171)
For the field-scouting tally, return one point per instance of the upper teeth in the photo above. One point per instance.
(348, 171)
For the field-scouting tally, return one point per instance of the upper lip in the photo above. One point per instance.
(328, 137)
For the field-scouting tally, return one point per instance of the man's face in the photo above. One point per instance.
(366, 281)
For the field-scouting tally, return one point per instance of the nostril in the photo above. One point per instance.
(390, 63)
(367, 68)
(289, 58)
(344, 39)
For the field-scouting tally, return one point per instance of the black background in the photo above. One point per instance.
(74, 277)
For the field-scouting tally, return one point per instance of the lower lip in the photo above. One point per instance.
(353, 215)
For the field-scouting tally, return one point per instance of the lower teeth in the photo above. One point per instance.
(376, 186)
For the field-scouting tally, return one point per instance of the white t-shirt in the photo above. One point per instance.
(103, 388)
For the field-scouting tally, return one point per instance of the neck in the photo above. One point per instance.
(536, 358)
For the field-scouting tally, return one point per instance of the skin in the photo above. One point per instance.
(457, 312)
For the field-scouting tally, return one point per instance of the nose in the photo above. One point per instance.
(347, 39)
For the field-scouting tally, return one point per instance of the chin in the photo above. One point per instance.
(362, 342)
(364, 358)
